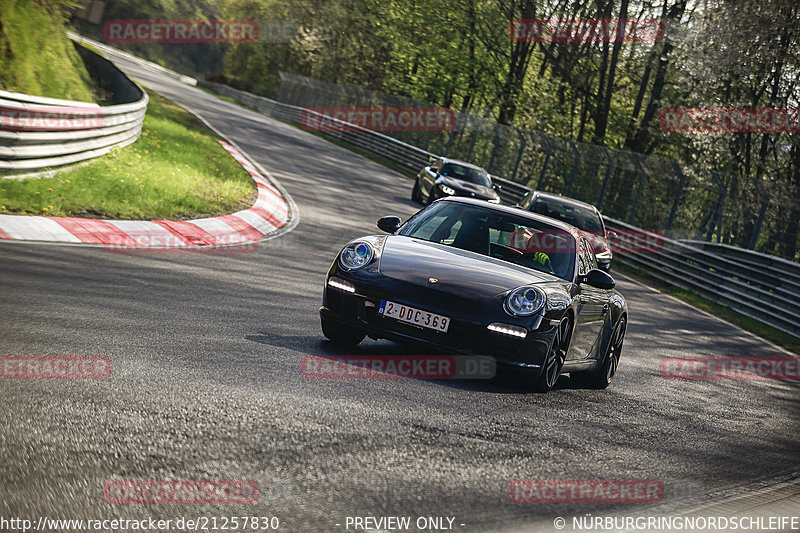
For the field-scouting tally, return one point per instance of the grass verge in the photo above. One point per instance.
(176, 170)
(769, 333)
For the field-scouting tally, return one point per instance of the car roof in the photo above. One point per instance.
(464, 163)
(513, 211)
(564, 200)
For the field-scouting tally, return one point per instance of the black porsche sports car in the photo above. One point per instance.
(448, 177)
(471, 277)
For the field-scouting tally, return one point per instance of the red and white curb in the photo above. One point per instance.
(269, 213)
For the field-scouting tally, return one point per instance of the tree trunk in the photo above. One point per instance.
(641, 141)
(601, 118)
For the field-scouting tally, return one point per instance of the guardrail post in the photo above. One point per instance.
(522, 141)
(677, 199)
(642, 181)
(494, 148)
(574, 167)
(472, 146)
(549, 150)
(716, 220)
(428, 140)
(605, 178)
(452, 136)
(761, 212)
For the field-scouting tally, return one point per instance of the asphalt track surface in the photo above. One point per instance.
(206, 381)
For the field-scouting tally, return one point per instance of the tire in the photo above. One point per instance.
(416, 195)
(341, 334)
(556, 354)
(601, 378)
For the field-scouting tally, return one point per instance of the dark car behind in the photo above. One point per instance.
(449, 177)
(583, 216)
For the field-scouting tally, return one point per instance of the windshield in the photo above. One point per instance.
(465, 173)
(577, 215)
(515, 239)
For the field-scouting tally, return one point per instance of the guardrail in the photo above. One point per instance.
(38, 132)
(734, 282)
(398, 152)
(776, 269)
(740, 281)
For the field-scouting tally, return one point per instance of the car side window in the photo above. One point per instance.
(429, 227)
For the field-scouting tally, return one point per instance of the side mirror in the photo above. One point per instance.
(497, 187)
(389, 224)
(598, 279)
(612, 236)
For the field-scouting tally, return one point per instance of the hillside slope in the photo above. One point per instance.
(35, 55)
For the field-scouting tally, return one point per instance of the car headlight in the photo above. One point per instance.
(356, 255)
(524, 301)
(447, 190)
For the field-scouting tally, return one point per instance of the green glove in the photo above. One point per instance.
(541, 257)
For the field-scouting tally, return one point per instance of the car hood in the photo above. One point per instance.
(466, 188)
(457, 271)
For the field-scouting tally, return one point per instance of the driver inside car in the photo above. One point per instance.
(527, 242)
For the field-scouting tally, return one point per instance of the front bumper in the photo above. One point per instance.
(467, 334)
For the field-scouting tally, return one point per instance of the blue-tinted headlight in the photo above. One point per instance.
(356, 255)
(524, 301)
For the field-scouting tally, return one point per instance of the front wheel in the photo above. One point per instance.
(342, 334)
(416, 194)
(556, 355)
(601, 378)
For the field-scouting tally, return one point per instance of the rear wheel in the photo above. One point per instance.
(556, 355)
(416, 195)
(601, 378)
(342, 334)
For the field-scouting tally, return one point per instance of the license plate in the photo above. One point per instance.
(411, 315)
